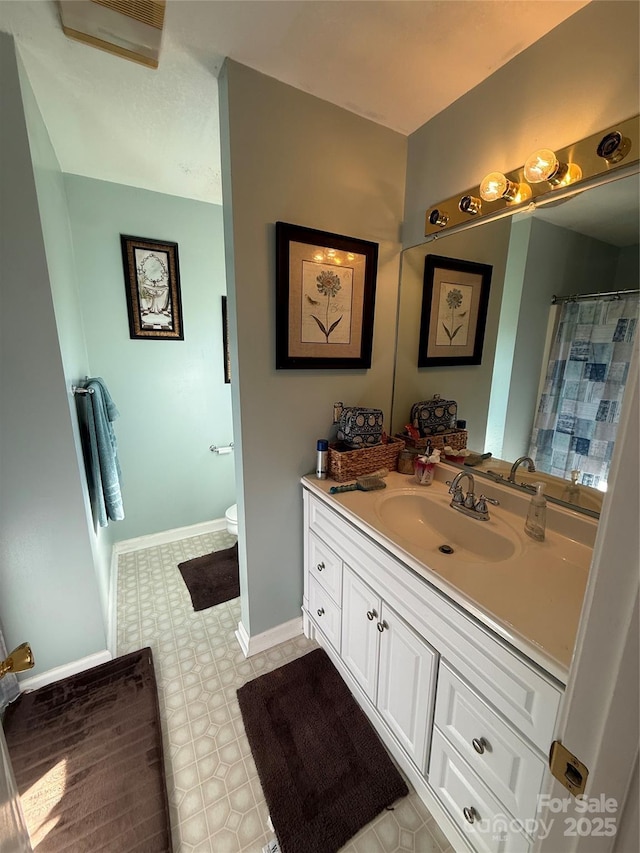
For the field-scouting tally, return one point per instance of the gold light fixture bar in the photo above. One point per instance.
(615, 148)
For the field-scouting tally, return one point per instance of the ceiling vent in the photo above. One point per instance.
(129, 28)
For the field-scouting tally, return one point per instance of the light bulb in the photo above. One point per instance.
(543, 165)
(495, 186)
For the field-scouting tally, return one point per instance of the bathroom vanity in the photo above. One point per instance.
(455, 635)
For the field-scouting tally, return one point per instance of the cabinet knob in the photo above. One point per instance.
(371, 615)
(479, 744)
(320, 567)
(321, 611)
(382, 625)
(470, 814)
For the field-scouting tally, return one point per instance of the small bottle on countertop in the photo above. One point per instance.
(536, 522)
(322, 459)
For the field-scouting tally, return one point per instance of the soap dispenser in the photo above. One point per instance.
(571, 493)
(536, 521)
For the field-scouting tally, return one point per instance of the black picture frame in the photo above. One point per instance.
(455, 299)
(325, 299)
(226, 355)
(152, 285)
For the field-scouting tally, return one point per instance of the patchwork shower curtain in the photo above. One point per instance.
(579, 409)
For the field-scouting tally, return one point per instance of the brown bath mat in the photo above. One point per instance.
(87, 757)
(213, 578)
(324, 772)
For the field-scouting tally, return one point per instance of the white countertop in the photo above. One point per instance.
(533, 599)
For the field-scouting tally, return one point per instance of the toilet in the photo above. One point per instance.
(231, 517)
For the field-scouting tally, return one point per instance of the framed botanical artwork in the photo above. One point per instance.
(226, 355)
(325, 298)
(455, 298)
(152, 284)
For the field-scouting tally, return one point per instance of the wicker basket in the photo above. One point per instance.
(456, 438)
(349, 464)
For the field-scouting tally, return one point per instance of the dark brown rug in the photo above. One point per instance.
(213, 578)
(87, 757)
(323, 770)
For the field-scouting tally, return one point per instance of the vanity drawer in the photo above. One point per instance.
(325, 567)
(478, 814)
(325, 613)
(508, 765)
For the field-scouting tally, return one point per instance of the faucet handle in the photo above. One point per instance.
(483, 500)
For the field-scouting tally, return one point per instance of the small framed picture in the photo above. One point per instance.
(152, 284)
(455, 299)
(325, 297)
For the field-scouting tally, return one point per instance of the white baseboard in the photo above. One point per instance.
(59, 672)
(112, 607)
(274, 636)
(166, 536)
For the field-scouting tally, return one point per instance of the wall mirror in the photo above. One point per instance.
(586, 243)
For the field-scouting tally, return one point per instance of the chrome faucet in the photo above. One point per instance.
(531, 468)
(467, 504)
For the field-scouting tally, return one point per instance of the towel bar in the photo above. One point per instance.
(76, 389)
(223, 450)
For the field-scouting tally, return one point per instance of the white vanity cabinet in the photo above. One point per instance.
(393, 665)
(468, 717)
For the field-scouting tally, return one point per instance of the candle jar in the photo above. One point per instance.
(423, 471)
(406, 460)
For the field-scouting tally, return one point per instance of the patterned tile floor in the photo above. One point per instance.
(216, 801)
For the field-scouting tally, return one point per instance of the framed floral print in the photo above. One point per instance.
(325, 297)
(152, 284)
(455, 299)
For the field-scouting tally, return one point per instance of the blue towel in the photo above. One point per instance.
(104, 468)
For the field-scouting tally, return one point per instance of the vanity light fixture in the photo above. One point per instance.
(543, 165)
(470, 204)
(613, 147)
(546, 177)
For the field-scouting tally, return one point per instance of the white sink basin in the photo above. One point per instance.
(424, 518)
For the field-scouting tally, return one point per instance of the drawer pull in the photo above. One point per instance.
(371, 615)
(382, 625)
(320, 566)
(470, 814)
(320, 611)
(479, 744)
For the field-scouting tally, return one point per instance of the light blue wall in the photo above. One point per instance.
(48, 588)
(171, 395)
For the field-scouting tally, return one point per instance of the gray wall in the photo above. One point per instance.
(49, 592)
(171, 395)
(591, 65)
(291, 157)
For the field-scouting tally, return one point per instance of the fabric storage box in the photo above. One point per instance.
(349, 464)
(359, 427)
(431, 417)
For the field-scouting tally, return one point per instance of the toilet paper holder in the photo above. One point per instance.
(221, 450)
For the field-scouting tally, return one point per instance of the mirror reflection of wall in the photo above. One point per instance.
(587, 244)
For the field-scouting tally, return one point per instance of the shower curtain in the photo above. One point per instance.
(577, 418)
(9, 684)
